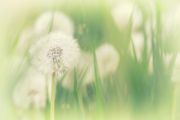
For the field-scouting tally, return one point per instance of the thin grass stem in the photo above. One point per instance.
(53, 97)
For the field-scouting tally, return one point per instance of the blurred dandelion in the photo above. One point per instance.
(107, 60)
(171, 28)
(126, 12)
(53, 22)
(30, 91)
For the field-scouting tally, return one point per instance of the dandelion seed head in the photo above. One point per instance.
(30, 90)
(53, 21)
(55, 56)
(55, 53)
(171, 27)
(107, 60)
(122, 14)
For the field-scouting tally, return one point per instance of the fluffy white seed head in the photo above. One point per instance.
(53, 21)
(55, 53)
(107, 60)
(30, 91)
(122, 14)
(171, 26)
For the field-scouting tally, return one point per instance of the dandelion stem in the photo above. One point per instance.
(53, 96)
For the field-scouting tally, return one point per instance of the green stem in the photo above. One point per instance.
(174, 103)
(53, 96)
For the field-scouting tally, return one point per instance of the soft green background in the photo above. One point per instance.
(16, 14)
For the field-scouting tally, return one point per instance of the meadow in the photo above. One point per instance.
(89, 60)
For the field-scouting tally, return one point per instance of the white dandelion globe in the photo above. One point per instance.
(107, 60)
(123, 12)
(53, 21)
(30, 91)
(171, 27)
(55, 53)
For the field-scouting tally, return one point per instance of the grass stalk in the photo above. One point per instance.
(174, 104)
(53, 97)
